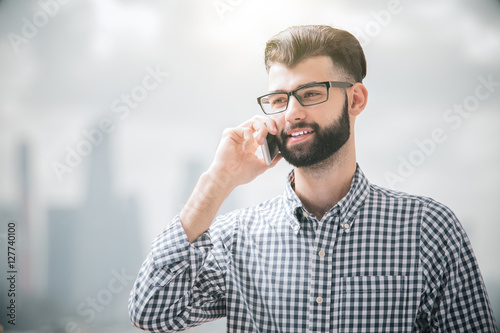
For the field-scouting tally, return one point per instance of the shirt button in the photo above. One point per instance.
(306, 214)
(319, 299)
(346, 225)
(321, 253)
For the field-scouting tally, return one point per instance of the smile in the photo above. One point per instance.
(301, 133)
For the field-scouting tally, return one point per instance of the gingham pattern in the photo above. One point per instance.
(379, 261)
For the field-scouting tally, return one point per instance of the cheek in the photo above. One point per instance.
(335, 104)
(337, 98)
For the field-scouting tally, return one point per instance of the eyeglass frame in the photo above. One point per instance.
(328, 84)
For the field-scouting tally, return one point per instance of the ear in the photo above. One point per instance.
(359, 98)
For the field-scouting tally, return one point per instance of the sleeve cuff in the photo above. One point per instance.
(172, 246)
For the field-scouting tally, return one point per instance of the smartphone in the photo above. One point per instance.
(270, 148)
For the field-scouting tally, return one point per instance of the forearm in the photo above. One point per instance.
(201, 208)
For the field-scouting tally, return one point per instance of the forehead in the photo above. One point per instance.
(314, 69)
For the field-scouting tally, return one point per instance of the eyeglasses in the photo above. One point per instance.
(310, 94)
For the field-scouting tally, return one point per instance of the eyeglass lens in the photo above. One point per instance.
(309, 95)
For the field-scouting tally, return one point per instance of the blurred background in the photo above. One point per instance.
(110, 110)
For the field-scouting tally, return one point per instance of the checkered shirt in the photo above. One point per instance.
(378, 261)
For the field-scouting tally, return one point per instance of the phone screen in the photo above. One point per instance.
(270, 148)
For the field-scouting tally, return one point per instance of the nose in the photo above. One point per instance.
(295, 111)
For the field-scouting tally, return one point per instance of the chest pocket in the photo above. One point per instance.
(374, 304)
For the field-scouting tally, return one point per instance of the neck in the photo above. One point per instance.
(321, 186)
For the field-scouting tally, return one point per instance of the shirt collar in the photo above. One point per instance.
(347, 207)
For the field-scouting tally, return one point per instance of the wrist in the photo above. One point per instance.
(218, 181)
(202, 206)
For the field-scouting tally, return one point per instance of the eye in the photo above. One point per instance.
(312, 94)
(309, 94)
(277, 100)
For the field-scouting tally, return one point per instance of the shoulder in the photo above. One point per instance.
(267, 212)
(435, 217)
(252, 212)
(264, 211)
(385, 194)
(253, 220)
(430, 208)
(438, 224)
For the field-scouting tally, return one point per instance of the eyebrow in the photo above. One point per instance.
(300, 86)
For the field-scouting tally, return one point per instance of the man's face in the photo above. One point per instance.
(309, 135)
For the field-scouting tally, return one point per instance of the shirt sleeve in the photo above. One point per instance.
(454, 297)
(179, 285)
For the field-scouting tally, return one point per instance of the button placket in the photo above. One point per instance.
(321, 276)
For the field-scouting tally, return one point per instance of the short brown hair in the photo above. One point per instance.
(298, 43)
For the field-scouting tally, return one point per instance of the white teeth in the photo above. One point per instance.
(300, 133)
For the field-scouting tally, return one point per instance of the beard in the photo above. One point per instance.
(327, 142)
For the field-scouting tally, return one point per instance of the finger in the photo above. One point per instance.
(248, 139)
(261, 135)
(249, 122)
(265, 123)
(259, 122)
(233, 134)
(263, 128)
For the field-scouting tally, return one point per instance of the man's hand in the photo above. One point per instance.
(235, 161)
(234, 164)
